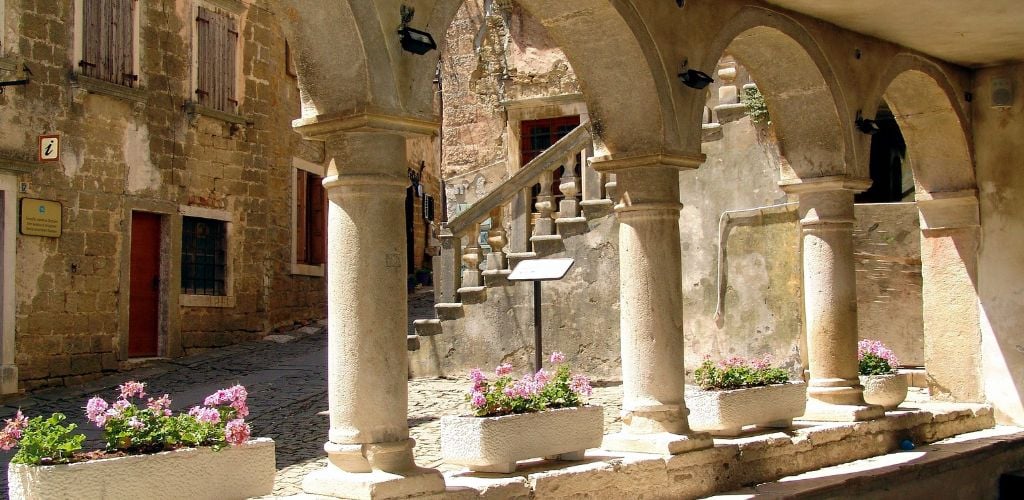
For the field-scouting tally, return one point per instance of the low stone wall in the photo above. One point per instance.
(731, 464)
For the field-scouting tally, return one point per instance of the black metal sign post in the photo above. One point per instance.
(538, 270)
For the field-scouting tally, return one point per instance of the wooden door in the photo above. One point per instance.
(144, 298)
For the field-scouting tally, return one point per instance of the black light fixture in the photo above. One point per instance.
(693, 78)
(680, 2)
(866, 125)
(413, 40)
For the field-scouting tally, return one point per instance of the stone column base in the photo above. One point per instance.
(662, 443)
(826, 412)
(334, 482)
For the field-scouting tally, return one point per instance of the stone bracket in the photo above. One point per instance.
(827, 183)
(948, 210)
(616, 163)
(321, 126)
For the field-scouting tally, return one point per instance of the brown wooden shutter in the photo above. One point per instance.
(228, 48)
(203, 56)
(122, 46)
(318, 220)
(301, 219)
(92, 14)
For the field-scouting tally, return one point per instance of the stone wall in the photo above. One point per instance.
(147, 152)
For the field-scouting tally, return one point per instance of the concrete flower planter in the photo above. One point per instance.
(495, 444)
(193, 473)
(885, 390)
(725, 413)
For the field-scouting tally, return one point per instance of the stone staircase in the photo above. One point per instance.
(472, 291)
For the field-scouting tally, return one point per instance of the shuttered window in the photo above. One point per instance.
(310, 223)
(217, 42)
(108, 35)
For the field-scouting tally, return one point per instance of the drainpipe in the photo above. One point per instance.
(723, 228)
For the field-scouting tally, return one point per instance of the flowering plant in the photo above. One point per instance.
(131, 425)
(530, 393)
(874, 358)
(737, 372)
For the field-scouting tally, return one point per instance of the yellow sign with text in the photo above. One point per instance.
(40, 218)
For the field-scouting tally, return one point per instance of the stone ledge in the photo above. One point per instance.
(732, 463)
(97, 86)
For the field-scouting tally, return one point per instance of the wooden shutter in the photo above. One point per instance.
(217, 38)
(92, 55)
(301, 219)
(318, 220)
(228, 47)
(203, 56)
(108, 41)
(122, 47)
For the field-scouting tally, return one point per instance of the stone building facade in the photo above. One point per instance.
(192, 214)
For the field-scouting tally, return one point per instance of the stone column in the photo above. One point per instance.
(830, 298)
(950, 232)
(654, 413)
(370, 454)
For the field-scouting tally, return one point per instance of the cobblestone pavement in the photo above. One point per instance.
(287, 384)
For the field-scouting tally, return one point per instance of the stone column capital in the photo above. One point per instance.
(948, 209)
(617, 163)
(321, 127)
(826, 183)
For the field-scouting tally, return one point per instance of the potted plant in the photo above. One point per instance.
(739, 392)
(883, 385)
(538, 415)
(204, 453)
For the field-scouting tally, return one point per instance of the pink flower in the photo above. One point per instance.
(237, 432)
(503, 369)
(542, 377)
(580, 384)
(877, 348)
(160, 405)
(557, 357)
(11, 432)
(478, 400)
(477, 376)
(132, 388)
(135, 423)
(234, 396)
(96, 411)
(205, 414)
(762, 364)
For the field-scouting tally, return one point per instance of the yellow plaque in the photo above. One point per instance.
(40, 218)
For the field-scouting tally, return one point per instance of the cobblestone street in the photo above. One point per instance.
(286, 379)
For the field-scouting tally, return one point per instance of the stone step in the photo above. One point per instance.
(515, 258)
(472, 294)
(595, 209)
(924, 472)
(571, 226)
(449, 310)
(496, 278)
(545, 246)
(427, 327)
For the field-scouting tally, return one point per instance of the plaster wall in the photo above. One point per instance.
(141, 150)
(999, 146)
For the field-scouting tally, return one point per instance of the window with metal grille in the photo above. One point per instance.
(203, 256)
(538, 135)
(310, 218)
(217, 43)
(108, 41)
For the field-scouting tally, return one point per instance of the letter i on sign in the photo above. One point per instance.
(49, 147)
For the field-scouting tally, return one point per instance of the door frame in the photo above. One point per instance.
(8, 301)
(168, 312)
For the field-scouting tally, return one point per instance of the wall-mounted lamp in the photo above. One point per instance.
(680, 2)
(413, 40)
(866, 125)
(695, 79)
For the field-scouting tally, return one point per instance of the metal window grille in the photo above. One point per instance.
(203, 256)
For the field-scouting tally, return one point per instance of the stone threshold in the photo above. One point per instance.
(731, 465)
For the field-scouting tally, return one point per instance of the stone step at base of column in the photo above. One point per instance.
(449, 310)
(545, 246)
(496, 278)
(515, 258)
(472, 294)
(571, 226)
(427, 327)
(595, 209)
(412, 342)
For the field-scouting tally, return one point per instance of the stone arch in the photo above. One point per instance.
(803, 94)
(926, 105)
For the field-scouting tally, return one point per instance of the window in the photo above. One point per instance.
(310, 218)
(203, 256)
(107, 42)
(216, 47)
(537, 136)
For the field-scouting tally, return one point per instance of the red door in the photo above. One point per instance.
(143, 305)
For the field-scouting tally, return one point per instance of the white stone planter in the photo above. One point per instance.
(494, 444)
(191, 473)
(725, 413)
(885, 390)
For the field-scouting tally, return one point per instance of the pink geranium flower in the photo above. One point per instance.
(237, 432)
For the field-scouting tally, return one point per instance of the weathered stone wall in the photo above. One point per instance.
(119, 155)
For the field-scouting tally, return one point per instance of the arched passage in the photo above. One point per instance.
(925, 104)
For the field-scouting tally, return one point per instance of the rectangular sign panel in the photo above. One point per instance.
(40, 218)
(541, 270)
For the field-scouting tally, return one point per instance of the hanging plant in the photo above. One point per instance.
(757, 109)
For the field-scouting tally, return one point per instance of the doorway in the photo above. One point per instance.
(144, 298)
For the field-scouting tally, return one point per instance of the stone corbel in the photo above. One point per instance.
(619, 163)
(320, 127)
(948, 210)
(826, 201)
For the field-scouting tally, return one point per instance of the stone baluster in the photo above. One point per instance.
(497, 240)
(471, 257)
(830, 298)
(545, 225)
(368, 447)
(447, 268)
(611, 187)
(569, 207)
(591, 178)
